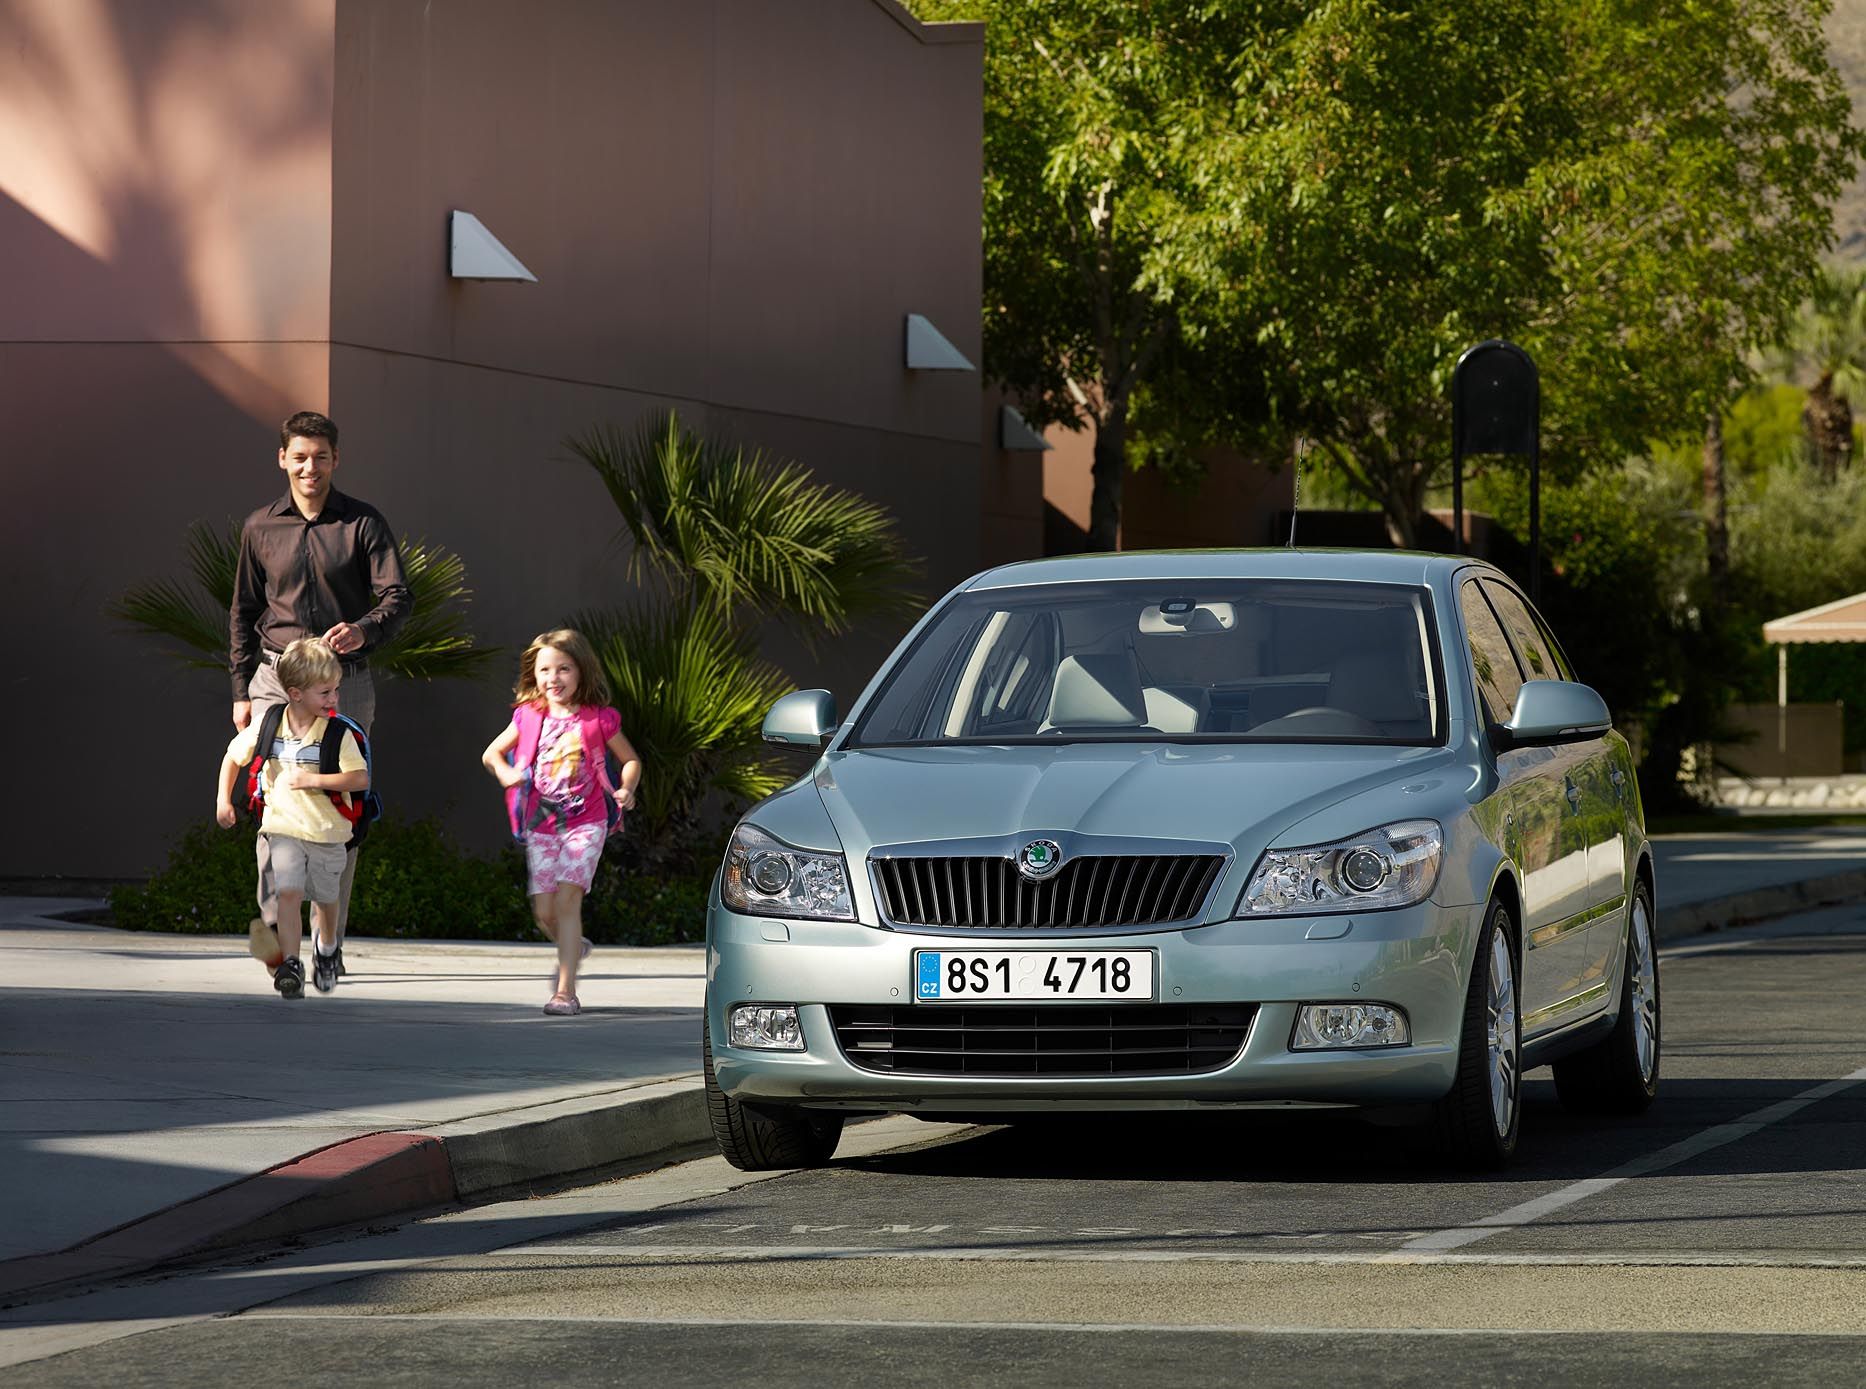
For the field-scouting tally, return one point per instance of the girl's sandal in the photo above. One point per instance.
(563, 1005)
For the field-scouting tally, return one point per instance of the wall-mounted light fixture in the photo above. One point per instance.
(928, 350)
(1015, 433)
(474, 253)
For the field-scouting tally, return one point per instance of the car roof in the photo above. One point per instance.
(1368, 566)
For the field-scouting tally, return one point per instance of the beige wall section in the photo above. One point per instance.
(183, 147)
(165, 226)
(215, 211)
(1237, 502)
(728, 201)
(730, 207)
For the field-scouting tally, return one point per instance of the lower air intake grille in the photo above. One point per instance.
(1051, 1040)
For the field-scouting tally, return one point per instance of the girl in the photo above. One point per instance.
(550, 759)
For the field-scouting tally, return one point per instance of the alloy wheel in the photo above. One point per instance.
(1502, 1034)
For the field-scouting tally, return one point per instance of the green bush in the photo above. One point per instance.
(412, 881)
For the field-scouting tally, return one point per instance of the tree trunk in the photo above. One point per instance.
(1716, 519)
(1403, 501)
(1109, 473)
(1828, 420)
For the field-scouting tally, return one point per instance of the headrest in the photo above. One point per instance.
(1097, 690)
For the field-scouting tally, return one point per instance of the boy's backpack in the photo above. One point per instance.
(362, 809)
(522, 802)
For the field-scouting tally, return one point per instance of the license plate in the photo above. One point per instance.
(991, 976)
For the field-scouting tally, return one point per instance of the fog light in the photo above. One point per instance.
(1324, 1025)
(765, 1027)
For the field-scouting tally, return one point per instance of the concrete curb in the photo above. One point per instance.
(1740, 908)
(389, 1175)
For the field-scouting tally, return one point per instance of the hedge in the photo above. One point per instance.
(412, 881)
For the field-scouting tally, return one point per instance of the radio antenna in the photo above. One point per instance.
(1295, 500)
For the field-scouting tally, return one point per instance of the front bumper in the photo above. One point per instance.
(1416, 959)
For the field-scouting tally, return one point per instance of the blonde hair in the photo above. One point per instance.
(592, 687)
(308, 661)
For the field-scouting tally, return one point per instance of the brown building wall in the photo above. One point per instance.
(730, 206)
(165, 228)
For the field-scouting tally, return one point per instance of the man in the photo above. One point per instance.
(315, 563)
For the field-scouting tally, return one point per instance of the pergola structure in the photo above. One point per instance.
(1844, 619)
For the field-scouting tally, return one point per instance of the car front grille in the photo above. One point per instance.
(1095, 890)
(1057, 1040)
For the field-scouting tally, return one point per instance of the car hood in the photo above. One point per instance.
(1238, 794)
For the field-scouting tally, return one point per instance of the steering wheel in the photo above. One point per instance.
(1344, 721)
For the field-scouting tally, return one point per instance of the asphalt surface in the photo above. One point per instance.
(1718, 1239)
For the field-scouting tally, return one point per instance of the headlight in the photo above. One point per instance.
(1393, 866)
(766, 877)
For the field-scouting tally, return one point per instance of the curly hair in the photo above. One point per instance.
(592, 686)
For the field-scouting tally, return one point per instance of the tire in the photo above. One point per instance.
(1477, 1123)
(1619, 1074)
(759, 1138)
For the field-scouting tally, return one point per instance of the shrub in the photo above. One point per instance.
(413, 882)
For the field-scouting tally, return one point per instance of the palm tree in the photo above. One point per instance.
(748, 535)
(736, 539)
(693, 700)
(1828, 342)
(191, 613)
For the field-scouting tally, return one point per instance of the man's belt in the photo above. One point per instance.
(358, 661)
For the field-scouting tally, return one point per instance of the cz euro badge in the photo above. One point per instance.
(926, 983)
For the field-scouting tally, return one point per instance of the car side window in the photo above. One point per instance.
(1541, 659)
(1492, 663)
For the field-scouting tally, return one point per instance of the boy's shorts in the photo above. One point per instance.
(315, 870)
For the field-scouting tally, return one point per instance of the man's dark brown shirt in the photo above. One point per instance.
(299, 578)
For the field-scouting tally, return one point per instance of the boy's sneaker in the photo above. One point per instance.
(337, 956)
(323, 970)
(290, 978)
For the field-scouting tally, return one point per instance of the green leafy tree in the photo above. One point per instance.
(1827, 343)
(1636, 194)
(1103, 164)
(735, 538)
(190, 614)
(1339, 198)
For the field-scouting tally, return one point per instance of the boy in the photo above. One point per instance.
(300, 823)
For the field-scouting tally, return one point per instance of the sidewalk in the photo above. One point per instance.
(140, 1071)
(157, 1082)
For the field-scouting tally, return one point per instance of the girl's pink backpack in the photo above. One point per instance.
(521, 801)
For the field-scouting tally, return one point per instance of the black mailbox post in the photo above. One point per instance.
(1496, 407)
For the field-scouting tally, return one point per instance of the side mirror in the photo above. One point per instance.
(1553, 711)
(803, 718)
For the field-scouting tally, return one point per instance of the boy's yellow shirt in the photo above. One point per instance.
(307, 815)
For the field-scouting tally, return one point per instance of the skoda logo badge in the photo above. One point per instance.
(1039, 859)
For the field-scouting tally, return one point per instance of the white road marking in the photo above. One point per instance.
(984, 1253)
(1682, 1151)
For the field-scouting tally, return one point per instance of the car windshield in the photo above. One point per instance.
(1234, 660)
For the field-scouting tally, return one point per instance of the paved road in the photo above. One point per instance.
(1720, 1239)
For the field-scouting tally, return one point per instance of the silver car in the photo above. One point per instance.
(1201, 830)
